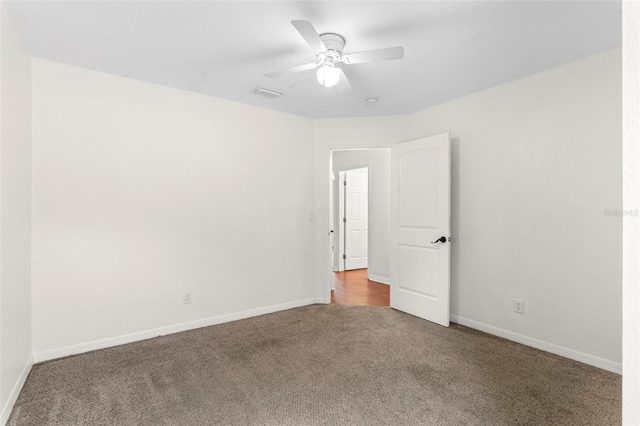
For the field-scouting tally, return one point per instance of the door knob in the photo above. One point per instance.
(440, 240)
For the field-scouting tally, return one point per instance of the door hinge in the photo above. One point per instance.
(344, 257)
(345, 183)
(344, 220)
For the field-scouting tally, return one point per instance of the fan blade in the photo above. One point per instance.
(343, 85)
(292, 70)
(385, 54)
(310, 35)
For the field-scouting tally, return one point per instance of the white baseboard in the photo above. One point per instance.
(605, 364)
(15, 392)
(379, 279)
(176, 328)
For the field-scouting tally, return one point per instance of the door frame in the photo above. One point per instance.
(339, 237)
(323, 227)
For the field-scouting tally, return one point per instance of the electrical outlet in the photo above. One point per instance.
(518, 306)
(186, 297)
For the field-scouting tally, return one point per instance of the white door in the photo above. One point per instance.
(420, 227)
(356, 219)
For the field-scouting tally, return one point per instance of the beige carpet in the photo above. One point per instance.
(320, 365)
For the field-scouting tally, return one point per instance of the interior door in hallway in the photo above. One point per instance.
(356, 219)
(420, 227)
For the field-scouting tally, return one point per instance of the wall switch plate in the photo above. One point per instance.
(186, 297)
(518, 306)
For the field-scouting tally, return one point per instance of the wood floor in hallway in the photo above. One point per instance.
(353, 288)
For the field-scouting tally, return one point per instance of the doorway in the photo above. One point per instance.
(413, 235)
(356, 277)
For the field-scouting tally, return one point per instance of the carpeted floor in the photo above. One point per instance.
(320, 365)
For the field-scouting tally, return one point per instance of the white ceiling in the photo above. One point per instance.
(223, 48)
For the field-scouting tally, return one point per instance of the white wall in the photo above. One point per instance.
(15, 213)
(377, 160)
(631, 195)
(143, 192)
(536, 163)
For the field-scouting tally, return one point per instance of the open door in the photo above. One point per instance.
(356, 219)
(420, 227)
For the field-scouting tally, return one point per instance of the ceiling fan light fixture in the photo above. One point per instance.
(328, 75)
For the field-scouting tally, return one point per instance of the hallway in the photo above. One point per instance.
(353, 288)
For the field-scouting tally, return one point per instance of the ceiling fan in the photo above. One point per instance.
(329, 50)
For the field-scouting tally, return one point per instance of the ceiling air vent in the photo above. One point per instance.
(267, 93)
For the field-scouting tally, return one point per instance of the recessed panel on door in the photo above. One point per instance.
(418, 270)
(417, 190)
(355, 207)
(354, 252)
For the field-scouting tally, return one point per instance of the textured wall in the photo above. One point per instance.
(537, 196)
(143, 192)
(15, 213)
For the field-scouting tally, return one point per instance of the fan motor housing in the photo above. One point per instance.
(334, 44)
